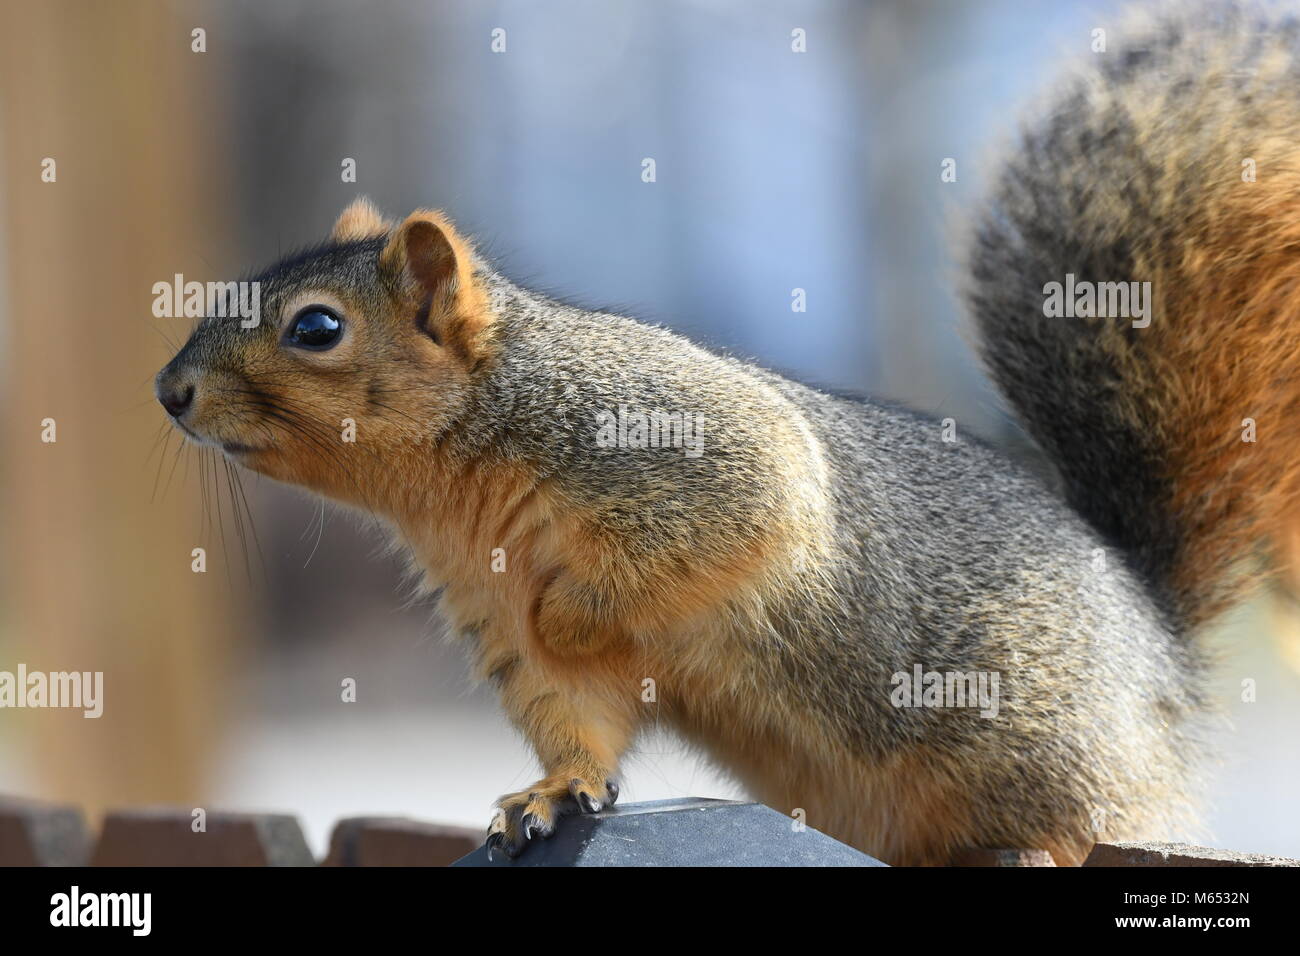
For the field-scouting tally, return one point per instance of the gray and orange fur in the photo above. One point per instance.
(772, 585)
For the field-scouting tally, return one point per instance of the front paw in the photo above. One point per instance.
(532, 814)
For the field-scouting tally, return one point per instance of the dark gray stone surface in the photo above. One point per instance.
(692, 832)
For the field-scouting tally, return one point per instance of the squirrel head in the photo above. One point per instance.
(361, 353)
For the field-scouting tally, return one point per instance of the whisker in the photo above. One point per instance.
(162, 458)
(320, 533)
(248, 511)
(221, 522)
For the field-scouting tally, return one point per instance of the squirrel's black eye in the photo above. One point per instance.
(314, 328)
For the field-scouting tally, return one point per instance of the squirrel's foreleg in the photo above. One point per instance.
(579, 734)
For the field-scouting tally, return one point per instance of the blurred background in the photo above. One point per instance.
(775, 170)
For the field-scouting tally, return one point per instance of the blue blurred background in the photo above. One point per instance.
(775, 170)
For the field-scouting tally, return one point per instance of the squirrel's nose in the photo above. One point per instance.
(175, 398)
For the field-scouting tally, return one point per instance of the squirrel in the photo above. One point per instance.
(776, 591)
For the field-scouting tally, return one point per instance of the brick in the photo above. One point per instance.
(399, 841)
(33, 833)
(978, 856)
(1176, 854)
(164, 837)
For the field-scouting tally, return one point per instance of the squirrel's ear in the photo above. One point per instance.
(430, 260)
(361, 220)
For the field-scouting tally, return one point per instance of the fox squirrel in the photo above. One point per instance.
(789, 581)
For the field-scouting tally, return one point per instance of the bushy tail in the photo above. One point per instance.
(1174, 160)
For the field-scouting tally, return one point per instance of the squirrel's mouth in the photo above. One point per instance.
(229, 447)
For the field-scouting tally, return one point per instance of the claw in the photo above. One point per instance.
(529, 815)
(534, 826)
(515, 820)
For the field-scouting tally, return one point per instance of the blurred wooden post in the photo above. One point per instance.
(95, 577)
